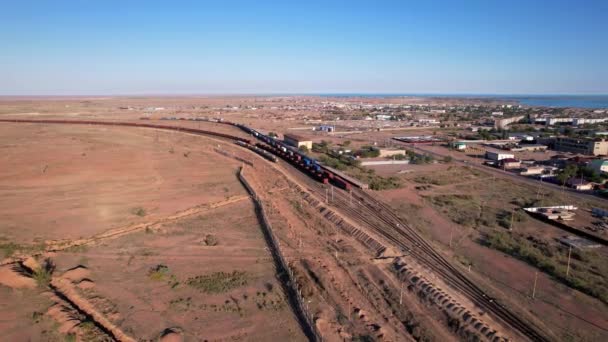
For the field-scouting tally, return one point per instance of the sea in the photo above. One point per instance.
(572, 101)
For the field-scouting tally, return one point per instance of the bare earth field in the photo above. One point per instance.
(72, 181)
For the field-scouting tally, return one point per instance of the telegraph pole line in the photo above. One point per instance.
(568, 267)
(535, 280)
(451, 235)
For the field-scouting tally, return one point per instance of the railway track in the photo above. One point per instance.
(131, 124)
(378, 217)
(381, 219)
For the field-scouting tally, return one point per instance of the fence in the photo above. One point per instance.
(230, 155)
(285, 273)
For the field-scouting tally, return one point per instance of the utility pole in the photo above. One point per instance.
(534, 288)
(326, 195)
(401, 294)
(451, 235)
(332, 194)
(568, 267)
(350, 196)
(511, 224)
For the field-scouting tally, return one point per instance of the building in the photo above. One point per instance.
(599, 165)
(325, 128)
(383, 117)
(498, 156)
(532, 170)
(509, 163)
(428, 121)
(297, 141)
(595, 147)
(459, 145)
(579, 184)
(389, 152)
(503, 123)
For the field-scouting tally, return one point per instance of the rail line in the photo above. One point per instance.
(130, 124)
(378, 217)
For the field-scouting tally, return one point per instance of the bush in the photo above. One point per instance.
(211, 240)
(139, 211)
(218, 282)
(542, 256)
(43, 274)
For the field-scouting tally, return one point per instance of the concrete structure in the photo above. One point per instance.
(570, 121)
(533, 170)
(509, 163)
(599, 165)
(384, 162)
(583, 121)
(579, 184)
(579, 242)
(459, 145)
(586, 146)
(498, 156)
(297, 141)
(325, 128)
(503, 123)
(529, 147)
(389, 152)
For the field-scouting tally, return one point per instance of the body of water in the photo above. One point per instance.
(574, 101)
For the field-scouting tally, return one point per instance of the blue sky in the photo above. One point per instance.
(187, 47)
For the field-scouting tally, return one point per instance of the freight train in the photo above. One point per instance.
(267, 155)
(292, 155)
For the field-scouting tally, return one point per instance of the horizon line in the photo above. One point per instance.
(325, 94)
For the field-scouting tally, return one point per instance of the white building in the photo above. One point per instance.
(496, 156)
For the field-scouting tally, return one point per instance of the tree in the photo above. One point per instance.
(568, 172)
(447, 159)
(303, 149)
(272, 134)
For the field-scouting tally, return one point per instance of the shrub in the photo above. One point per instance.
(139, 211)
(218, 282)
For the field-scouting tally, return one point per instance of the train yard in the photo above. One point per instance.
(362, 207)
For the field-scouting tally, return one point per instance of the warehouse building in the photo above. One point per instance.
(297, 141)
(496, 156)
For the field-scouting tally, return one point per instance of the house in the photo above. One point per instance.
(509, 163)
(532, 170)
(297, 141)
(599, 165)
(498, 156)
(459, 145)
(579, 184)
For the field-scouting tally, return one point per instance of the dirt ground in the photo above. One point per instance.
(190, 254)
(571, 314)
(209, 274)
(74, 181)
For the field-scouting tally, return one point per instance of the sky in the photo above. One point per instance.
(261, 47)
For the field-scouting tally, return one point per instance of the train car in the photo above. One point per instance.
(340, 183)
